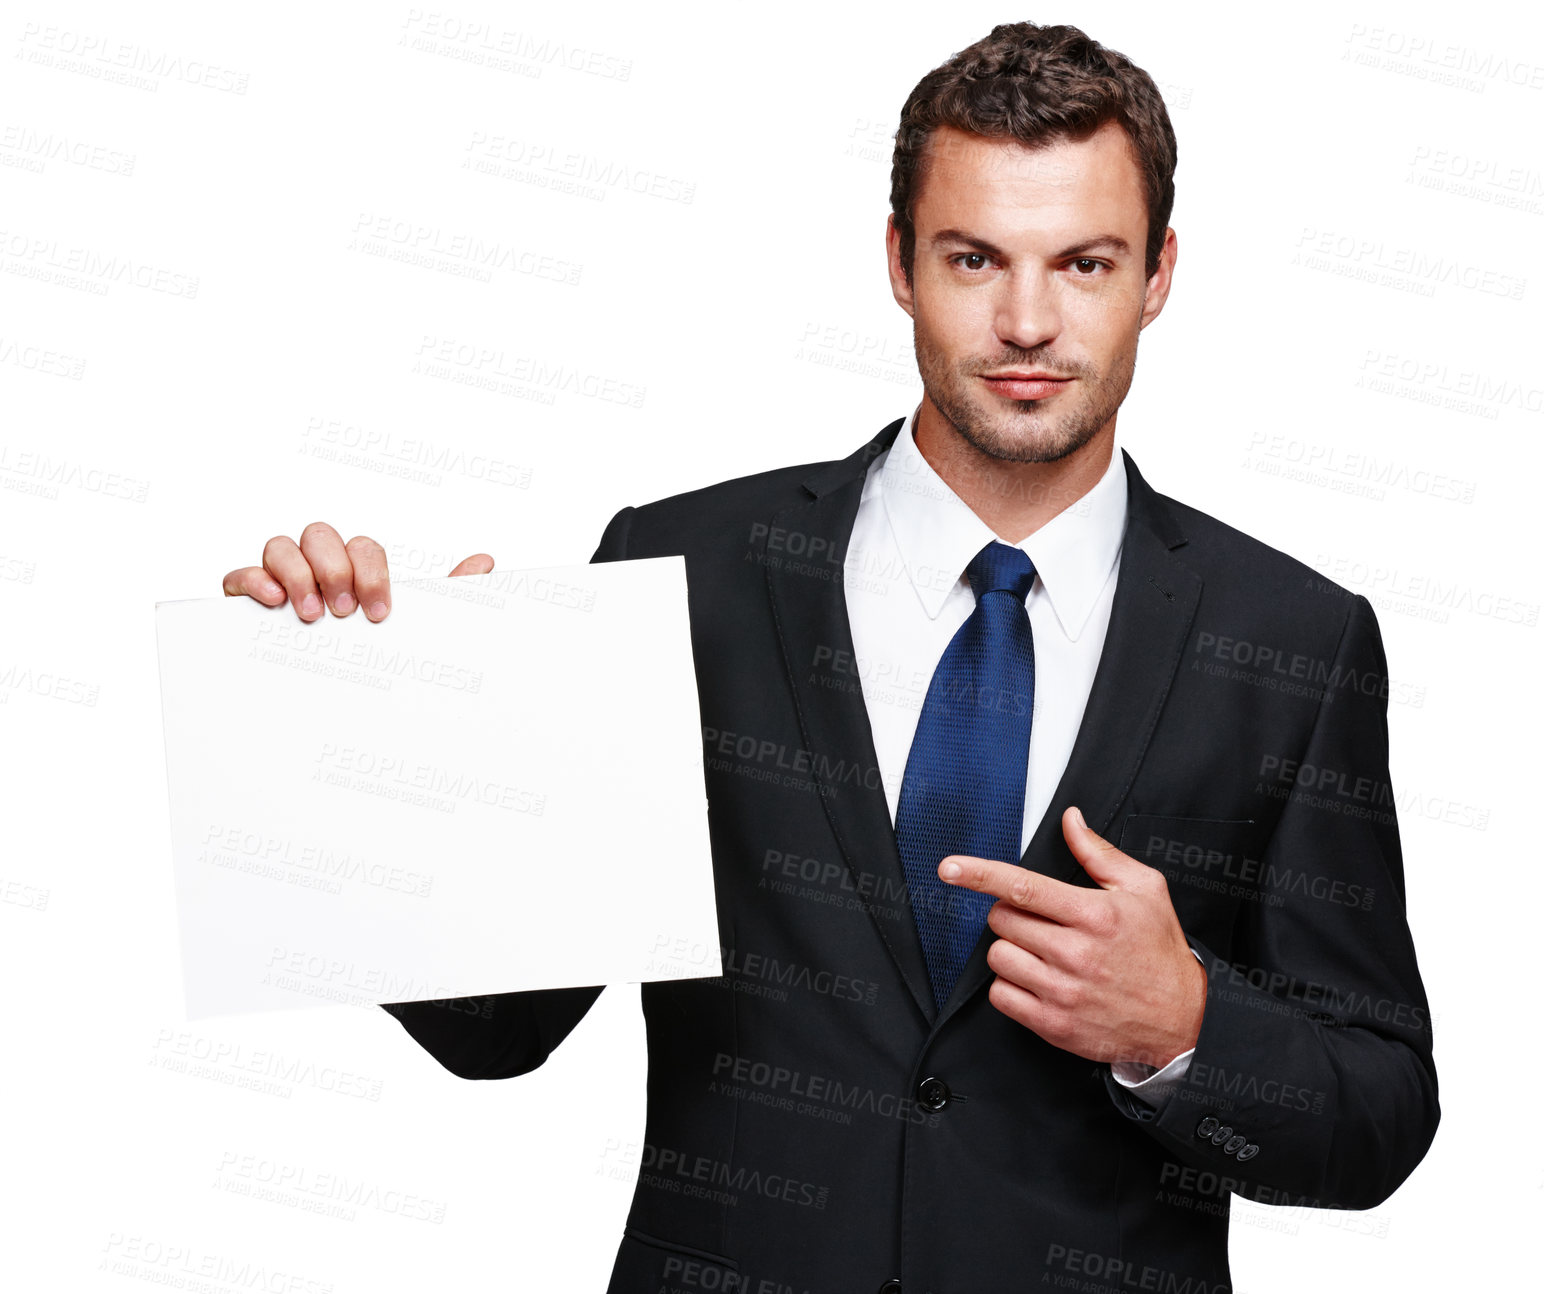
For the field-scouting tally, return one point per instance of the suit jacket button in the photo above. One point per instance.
(932, 1094)
(1247, 1153)
(1233, 1144)
(1206, 1127)
(891, 1286)
(1221, 1135)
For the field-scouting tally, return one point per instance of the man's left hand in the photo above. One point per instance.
(1106, 973)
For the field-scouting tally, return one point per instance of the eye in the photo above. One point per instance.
(1087, 260)
(969, 256)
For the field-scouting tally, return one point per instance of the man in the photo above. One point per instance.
(1055, 896)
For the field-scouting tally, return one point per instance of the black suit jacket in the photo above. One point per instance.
(815, 1123)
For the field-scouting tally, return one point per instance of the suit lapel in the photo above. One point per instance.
(809, 608)
(1154, 604)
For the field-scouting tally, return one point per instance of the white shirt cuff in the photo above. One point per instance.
(1152, 1085)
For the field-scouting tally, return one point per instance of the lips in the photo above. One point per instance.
(1033, 386)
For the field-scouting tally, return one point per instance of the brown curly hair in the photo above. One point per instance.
(1038, 85)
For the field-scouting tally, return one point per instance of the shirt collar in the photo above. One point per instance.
(937, 534)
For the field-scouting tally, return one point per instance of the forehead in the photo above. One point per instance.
(1004, 185)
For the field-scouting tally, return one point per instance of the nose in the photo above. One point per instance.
(1027, 312)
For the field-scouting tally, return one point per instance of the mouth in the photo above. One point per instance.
(1024, 384)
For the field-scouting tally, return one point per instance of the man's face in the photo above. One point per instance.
(1029, 261)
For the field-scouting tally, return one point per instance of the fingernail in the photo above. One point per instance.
(949, 870)
(1077, 814)
(312, 606)
(377, 610)
(343, 603)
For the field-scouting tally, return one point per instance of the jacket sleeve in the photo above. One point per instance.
(1312, 1081)
(501, 1035)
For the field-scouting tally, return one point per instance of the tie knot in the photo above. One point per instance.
(1001, 568)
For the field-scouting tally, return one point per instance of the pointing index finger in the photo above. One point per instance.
(1033, 891)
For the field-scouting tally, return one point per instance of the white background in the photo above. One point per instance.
(1353, 235)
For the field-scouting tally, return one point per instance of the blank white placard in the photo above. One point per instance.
(497, 788)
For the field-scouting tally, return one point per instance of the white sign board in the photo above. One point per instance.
(499, 787)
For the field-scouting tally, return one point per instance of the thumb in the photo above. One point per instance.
(476, 564)
(1097, 856)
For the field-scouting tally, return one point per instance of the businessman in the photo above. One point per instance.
(1060, 889)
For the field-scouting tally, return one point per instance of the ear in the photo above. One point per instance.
(1156, 290)
(900, 286)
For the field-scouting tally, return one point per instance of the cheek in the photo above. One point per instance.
(954, 323)
(945, 296)
(1105, 326)
(1099, 315)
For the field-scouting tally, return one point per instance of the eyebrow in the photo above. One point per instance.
(1112, 241)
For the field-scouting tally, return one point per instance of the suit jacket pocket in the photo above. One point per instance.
(646, 1263)
(1209, 866)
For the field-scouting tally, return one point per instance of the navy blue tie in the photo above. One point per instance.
(963, 792)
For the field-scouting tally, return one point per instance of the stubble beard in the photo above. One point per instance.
(1021, 431)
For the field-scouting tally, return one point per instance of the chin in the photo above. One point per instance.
(1011, 446)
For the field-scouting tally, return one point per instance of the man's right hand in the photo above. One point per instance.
(322, 569)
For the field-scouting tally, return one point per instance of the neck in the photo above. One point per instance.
(1014, 499)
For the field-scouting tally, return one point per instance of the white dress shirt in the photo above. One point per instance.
(907, 596)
